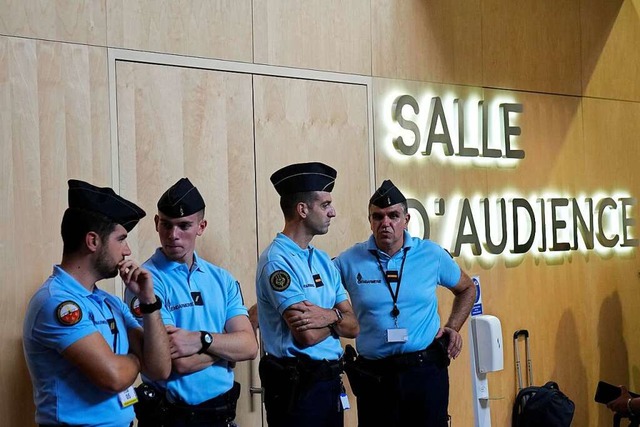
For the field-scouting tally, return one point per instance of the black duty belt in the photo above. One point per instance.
(315, 370)
(220, 404)
(435, 353)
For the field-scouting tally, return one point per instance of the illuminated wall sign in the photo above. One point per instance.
(508, 225)
(437, 129)
(519, 225)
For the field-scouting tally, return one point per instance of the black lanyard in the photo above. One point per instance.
(395, 312)
(113, 326)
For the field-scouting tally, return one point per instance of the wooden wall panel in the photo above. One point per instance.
(436, 41)
(610, 54)
(205, 28)
(175, 122)
(327, 35)
(54, 126)
(532, 46)
(81, 21)
(610, 146)
(315, 121)
(611, 152)
(302, 121)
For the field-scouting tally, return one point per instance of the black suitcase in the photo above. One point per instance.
(537, 406)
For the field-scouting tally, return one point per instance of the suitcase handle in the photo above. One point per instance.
(519, 332)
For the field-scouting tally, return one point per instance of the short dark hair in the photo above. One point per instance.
(288, 202)
(76, 223)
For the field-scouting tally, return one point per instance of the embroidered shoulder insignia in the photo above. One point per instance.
(280, 280)
(68, 313)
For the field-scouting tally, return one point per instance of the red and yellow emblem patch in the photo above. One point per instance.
(68, 313)
(134, 306)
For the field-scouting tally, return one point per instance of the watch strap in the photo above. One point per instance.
(206, 343)
(150, 308)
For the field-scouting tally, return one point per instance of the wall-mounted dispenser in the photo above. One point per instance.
(487, 339)
(485, 336)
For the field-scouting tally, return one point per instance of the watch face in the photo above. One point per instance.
(208, 338)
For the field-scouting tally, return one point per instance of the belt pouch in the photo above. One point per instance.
(281, 381)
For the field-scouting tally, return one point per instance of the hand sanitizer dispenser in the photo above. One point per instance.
(487, 339)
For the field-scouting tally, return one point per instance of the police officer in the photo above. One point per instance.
(83, 348)
(400, 377)
(302, 307)
(207, 322)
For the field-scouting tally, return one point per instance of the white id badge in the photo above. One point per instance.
(127, 397)
(344, 400)
(397, 335)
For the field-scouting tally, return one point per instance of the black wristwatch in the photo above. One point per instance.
(206, 339)
(150, 308)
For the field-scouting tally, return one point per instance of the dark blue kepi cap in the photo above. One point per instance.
(387, 195)
(303, 177)
(105, 201)
(181, 199)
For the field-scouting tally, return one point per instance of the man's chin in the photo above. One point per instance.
(382, 241)
(174, 254)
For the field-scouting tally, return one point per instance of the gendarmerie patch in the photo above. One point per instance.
(68, 313)
(280, 280)
(134, 306)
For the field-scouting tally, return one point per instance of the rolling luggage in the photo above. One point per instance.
(537, 406)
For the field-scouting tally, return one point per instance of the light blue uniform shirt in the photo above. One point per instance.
(202, 299)
(285, 276)
(426, 266)
(62, 393)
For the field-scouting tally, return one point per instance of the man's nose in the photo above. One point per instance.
(173, 233)
(332, 212)
(127, 249)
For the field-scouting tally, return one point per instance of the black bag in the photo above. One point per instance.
(536, 406)
(542, 406)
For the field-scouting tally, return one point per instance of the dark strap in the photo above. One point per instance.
(435, 353)
(217, 403)
(313, 370)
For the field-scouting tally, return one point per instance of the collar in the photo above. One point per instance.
(164, 263)
(70, 282)
(291, 246)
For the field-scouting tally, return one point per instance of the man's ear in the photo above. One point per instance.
(92, 241)
(407, 217)
(156, 220)
(302, 209)
(201, 226)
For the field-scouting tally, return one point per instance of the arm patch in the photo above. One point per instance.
(68, 313)
(279, 280)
